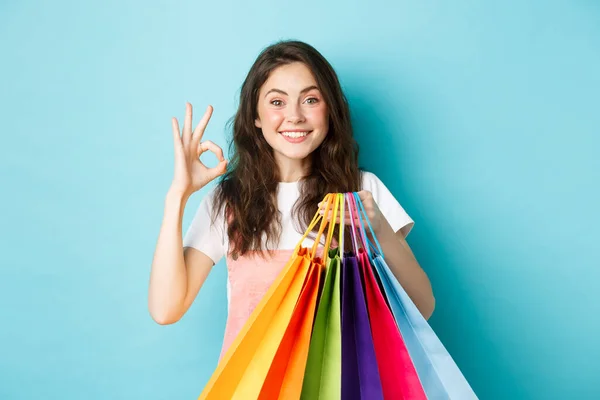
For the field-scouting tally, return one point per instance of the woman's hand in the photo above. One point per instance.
(190, 173)
(370, 205)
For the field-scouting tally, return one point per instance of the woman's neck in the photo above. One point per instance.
(292, 170)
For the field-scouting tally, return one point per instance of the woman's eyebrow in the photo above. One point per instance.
(284, 93)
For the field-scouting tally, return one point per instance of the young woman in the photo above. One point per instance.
(292, 144)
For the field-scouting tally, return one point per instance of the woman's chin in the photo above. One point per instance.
(295, 154)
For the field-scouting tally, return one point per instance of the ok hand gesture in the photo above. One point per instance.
(190, 173)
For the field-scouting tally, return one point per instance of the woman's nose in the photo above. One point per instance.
(295, 114)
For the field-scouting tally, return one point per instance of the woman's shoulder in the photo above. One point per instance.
(207, 203)
(208, 196)
(370, 181)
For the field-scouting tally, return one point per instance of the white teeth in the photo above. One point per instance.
(294, 134)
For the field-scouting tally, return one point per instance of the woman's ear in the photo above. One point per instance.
(257, 123)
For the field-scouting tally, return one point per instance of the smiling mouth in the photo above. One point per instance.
(295, 135)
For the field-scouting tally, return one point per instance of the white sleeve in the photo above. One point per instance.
(204, 236)
(387, 203)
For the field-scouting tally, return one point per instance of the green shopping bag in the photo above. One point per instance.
(323, 374)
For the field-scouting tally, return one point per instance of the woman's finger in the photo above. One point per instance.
(219, 170)
(210, 146)
(201, 127)
(187, 125)
(346, 218)
(178, 146)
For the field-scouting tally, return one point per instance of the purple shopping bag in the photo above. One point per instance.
(360, 373)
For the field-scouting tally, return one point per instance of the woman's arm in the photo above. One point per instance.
(405, 267)
(176, 275)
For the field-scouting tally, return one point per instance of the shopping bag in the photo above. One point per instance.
(399, 379)
(245, 365)
(439, 375)
(322, 378)
(360, 373)
(285, 377)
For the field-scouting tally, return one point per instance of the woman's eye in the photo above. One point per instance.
(311, 100)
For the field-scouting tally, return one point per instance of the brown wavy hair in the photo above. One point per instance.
(248, 190)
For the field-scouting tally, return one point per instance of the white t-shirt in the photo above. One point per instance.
(212, 239)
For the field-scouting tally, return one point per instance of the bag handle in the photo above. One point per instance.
(359, 211)
(329, 199)
(352, 213)
(312, 224)
(364, 213)
(355, 226)
(340, 197)
(332, 223)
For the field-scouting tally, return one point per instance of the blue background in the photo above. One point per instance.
(481, 117)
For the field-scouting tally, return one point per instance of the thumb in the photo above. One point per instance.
(219, 170)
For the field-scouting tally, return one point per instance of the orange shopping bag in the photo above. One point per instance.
(246, 364)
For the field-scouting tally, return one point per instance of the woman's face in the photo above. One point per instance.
(292, 112)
